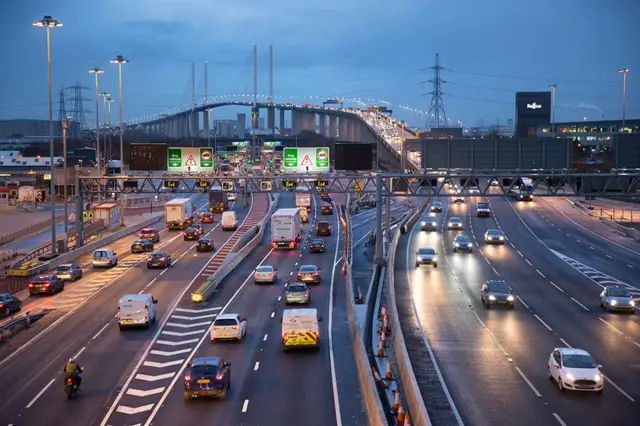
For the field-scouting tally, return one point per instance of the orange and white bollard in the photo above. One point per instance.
(383, 311)
(380, 350)
(27, 322)
(383, 340)
(389, 374)
(407, 420)
(381, 385)
(385, 325)
(401, 415)
(396, 400)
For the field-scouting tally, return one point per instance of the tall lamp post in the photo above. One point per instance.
(65, 127)
(104, 125)
(624, 72)
(109, 101)
(48, 22)
(120, 60)
(553, 109)
(97, 71)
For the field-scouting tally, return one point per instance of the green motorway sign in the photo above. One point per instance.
(300, 160)
(290, 156)
(175, 158)
(206, 158)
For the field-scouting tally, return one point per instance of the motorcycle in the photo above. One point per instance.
(71, 387)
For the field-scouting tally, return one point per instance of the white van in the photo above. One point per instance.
(104, 257)
(136, 310)
(300, 329)
(229, 221)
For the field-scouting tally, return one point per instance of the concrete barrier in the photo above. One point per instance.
(580, 206)
(629, 232)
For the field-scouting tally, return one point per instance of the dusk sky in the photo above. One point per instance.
(355, 48)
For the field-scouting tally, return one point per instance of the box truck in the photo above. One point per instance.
(286, 228)
(218, 200)
(303, 198)
(178, 213)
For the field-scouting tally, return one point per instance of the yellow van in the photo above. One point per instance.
(304, 215)
(300, 329)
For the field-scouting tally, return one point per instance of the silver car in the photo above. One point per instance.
(455, 223)
(69, 272)
(462, 242)
(265, 274)
(617, 298)
(297, 293)
(493, 236)
(426, 256)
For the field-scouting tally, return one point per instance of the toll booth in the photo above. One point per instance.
(110, 213)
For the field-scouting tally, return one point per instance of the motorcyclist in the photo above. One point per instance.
(73, 370)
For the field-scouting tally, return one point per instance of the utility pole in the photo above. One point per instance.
(553, 109)
(193, 102)
(255, 103)
(624, 72)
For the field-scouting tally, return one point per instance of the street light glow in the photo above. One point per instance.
(47, 21)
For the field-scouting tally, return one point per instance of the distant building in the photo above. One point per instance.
(242, 124)
(261, 122)
(24, 127)
(591, 132)
(225, 128)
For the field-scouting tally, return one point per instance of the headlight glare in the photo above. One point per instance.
(614, 302)
(597, 377)
(570, 376)
(510, 298)
(492, 297)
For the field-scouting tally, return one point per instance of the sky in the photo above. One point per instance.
(374, 50)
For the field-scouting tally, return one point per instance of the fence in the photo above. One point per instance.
(621, 215)
(29, 230)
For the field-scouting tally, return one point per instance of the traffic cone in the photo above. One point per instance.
(27, 322)
(396, 400)
(407, 420)
(380, 350)
(401, 414)
(383, 340)
(379, 383)
(360, 296)
(383, 311)
(388, 375)
(385, 326)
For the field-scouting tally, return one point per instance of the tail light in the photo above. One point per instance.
(315, 274)
(292, 244)
(187, 378)
(69, 380)
(184, 233)
(317, 333)
(1, 305)
(118, 311)
(274, 244)
(47, 285)
(284, 337)
(146, 311)
(220, 376)
(31, 285)
(216, 328)
(235, 327)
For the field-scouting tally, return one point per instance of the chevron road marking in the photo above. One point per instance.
(133, 410)
(142, 393)
(162, 364)
(187, 333)
(193, 318)
(198, 324)
(164, 353)
(168, 343)
(196, 311)
(148, 378)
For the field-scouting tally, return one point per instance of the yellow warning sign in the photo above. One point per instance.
(191, 162)
(358, 186)
(306, 161)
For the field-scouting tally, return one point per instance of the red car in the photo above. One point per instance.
(207, 217)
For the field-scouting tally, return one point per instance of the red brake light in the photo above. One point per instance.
(146, 311)
(235, 327)
(216, 328)
(31, 285)
(315, 274)
(118, 311)
(187, 378)
(220, 376)
(69, 380)
(47, 285)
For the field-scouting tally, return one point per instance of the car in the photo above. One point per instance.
(191, 234)
(428, 224)
(297, 293)
(228, 327)
(265, 274)
(159, 259)
(141, 246)
(525, 196)
(150, 234)
(327, 209)
(474, 190)
(462, 242)
(458, 199)
(497, 292)
(51, 284)
(494, 183)
(304, 215)
(323, 228)
(617, 298)
(207, 217)
(198, 228)
(9, 304)
(426, 256)
(326, 199)
(316, 245)
(69, 272)
(105, 257)
(483, 210)
(454, 223)
(207, 376)
(575, 369)
(493, 236)
(436, 207)
(309, 274)
(205, 244)
(231, 196)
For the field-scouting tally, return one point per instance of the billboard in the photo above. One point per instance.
(148, 156)
(354, 156)
(190, 159)
(299, 160)
(533, 108)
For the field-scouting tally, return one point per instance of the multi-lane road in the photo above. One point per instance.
(494, 362)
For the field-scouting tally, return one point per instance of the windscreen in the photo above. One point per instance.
(225, 322)
(426, 251)
(618, 292)
(499, 288)
(264, 269)
(42, 279)
(99, 254)
(297, 288)
(203, 370)
(65, 268)
(308, 269)
(578, 361)
(483, 205)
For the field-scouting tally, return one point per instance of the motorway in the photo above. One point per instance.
(134, 377)
(494, 361)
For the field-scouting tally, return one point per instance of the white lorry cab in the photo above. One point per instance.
(229, 221)
(136, 310)
(300, 329)
(286, 228)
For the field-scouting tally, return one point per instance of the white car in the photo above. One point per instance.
(575, 369)
(454, 223)
(228, 327)
(231, 196)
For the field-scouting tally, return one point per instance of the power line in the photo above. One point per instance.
(545, 79)
(575, 95)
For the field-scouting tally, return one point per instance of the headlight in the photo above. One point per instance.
(510, 298)
(632, 303)
(614, 302)
(450, 224)
(457, 245)
(423, 223)
(492, 297)
(419, 258)
(570, 376)
(469, 245)
(597, 377)
(501, 238)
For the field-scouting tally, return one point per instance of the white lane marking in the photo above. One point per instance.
(527, 260)
(519, 253)
(494, 270)
(540, 273)
(196, 311)
(162, 364)
(568, 235)
(591, 248)
(279, 298)
(522, 301)
(332, 362)
(172, 353)
(630, 266)
(264, 339)
(608, 256)
(580, 304)
(99, 332)
(47, 386)
(619, 388)
(143, 393)
(578, 240)
(255, 368)
(273, 314)
(557, 417)
(543, 323)
(290, 273)
(533, 388)
(151, 378)
(79, 352)
(134, 410)
(612, 327)
(565, 342)
(424, 336)
(245, 406)
(554, 284)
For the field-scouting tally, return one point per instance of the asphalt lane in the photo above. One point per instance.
(104, 357)
(546, 286)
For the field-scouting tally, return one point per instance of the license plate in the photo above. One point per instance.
(204, 381)
(155, 264)
(126, 320)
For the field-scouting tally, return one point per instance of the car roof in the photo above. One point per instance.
(496, 282)
(300, 312)
(616, 287)
(573, 351)
(134, 297)
(149, 230)
(323, 222)
(227, 316)
(494, 231)
(308, 266)
(210, 360)
(462, 237)
(65, 265)
(296, 283)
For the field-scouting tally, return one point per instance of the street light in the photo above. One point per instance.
(120, 60)
(553, 108)
(96, 71)
(109, 101)
(48, 22)
(65, 127)
(104, 123)
(624, 72)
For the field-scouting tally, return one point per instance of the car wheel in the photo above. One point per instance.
(7, 312)
(560, 385)
(19, 308)
(148, 267)
(549, 373)
(435, 265)
(417, 265)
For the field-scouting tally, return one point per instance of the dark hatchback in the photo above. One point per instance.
(327, 208)
(497, 292)
(191, 234)
(205, 244)
(150, 234)
(9, 304)
(207, 376)
(51, 284)
(141, 246)
(323, 228)
(316, 246)
(159, 260)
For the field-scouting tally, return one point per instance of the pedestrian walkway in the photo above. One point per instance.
(16, 224)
